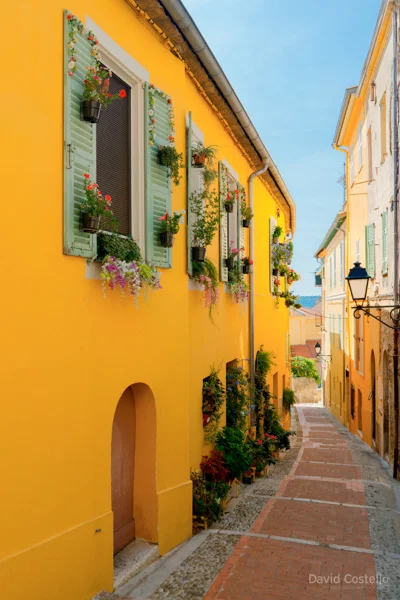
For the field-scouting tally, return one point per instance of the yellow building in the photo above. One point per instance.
(93, 387)
(365, 134)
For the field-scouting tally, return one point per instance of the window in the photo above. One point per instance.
(341, 272)
(385, 243)
(358, 250)
(370, 163)
(334, 268)
(330, 272)
(370, 250)
(113, 155)
(383, 127)
(351, 166)
(360, 147)
(359, 411)
(359, 344)
(233, 216)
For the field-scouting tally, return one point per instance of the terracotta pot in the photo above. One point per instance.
(275, 240)
(198, 254)
(91, 111)
(90, 224)
(166, 239)
(198, 160)
(206, 419)
(246, 223)
(229, 207)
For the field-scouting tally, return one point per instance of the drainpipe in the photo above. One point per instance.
(251, 311)
(396, 247)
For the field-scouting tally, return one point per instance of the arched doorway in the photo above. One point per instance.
(386, 421)
(373, 400)
(133, 467)
(123, 469)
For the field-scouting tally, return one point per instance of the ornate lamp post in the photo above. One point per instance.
(358, 280)
(324, 357)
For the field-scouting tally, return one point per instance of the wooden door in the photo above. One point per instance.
(122, 470)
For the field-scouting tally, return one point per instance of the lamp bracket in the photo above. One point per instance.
(394, 313)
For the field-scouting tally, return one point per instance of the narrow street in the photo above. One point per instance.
(324, 524)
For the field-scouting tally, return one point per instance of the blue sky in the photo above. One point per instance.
(290, 63)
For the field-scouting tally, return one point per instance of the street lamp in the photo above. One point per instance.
(317, 349)
(325, 357)
(358, 280)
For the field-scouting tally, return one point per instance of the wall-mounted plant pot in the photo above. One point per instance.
(198, 161)
(275, 240)
(275, 272)
(230, 263)
(246, 223)
(198, 254)
(91, 111)
(290, 280)
(282, 273)
(90, 224)
(229, 207)
(206, 419)
(246, 269)
(166, 239)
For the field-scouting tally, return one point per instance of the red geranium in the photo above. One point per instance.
(122, 94)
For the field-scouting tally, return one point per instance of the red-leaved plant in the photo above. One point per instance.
(214, 467)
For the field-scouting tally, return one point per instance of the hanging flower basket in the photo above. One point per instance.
(246, 223)
(198, 160)
(166, 239)
(230, 263)
(229, 207)
(198, 254)
(90, 224)
(246, 269)
(91, 111)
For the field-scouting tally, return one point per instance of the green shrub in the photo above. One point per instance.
(237, 454)
(304, 367)
(122, 248)
(288, 398)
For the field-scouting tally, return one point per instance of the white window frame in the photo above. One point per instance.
(233, 216)
(334, 268)
(358, 243)
(130, 71)
(330, 272)
(341, 274)
(360, 147)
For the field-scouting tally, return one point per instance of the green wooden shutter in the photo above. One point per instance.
(79, 147)
(370, 250)
(157, 183)
(272, 225)
(189, 219)
(385, 244)
(240, 235)
(223, 230)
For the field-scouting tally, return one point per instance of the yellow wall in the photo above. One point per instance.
(303, 328)
(69, 353)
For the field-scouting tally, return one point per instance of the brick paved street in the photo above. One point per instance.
(321, 526)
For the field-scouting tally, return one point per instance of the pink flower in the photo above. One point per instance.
(259, 442)
(164, 217)
(70, 73)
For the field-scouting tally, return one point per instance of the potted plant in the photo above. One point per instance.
(237, 454)
(278, 258)
(230, 199)
(247, 262)
(96, 94)
(213, 398)
(95, 206)
(277, 234)
(168, 156)
(292, 276)
(202, 154)
(232, 256)
(169, 227)
(204, 207)
(246, 213)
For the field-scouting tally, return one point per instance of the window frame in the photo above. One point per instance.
(383, 124)
(130, 71)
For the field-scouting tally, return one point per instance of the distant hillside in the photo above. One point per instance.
(309, 301)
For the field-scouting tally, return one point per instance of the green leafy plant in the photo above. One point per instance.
(122, 248)
(97, 84)
(304, 367)
(237, 285)
(205, 209)
(265, 360)
(237, 455)
(207, 153)
(237, 397)
(278, 256)
(209, 176)
(213, 398)
(172, 224)
(290, 299)
(171, 158)
(207, 275)
(95, 205)
(289, 252)
(288, 399)
(274, 428)
(244, 209)
(277, 232)
(207, 496)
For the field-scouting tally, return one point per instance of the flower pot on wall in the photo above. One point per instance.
(198, 160)
(198, 254)
(245, 223)
(246, 269)
(90, 224)
(230, 263)
(282, 273)
(206, 419)
(229, 207)
(275, 272)
(275, 240)
(91, 111)
(166, 239)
